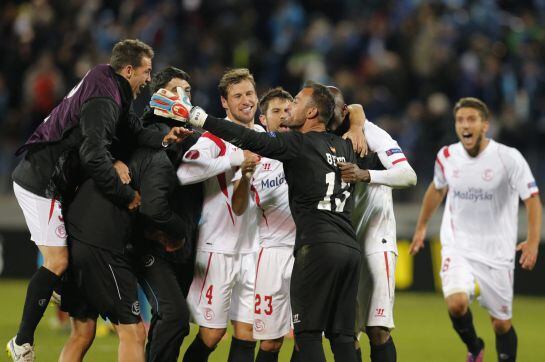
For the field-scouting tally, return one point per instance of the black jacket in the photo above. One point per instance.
(55, 169)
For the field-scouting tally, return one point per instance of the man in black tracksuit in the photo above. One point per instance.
(102, 274)
(164, 265)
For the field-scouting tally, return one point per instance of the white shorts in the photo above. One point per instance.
(376, 291)
(272, 308)
(43, 217)
(222, 289)
(458, 275)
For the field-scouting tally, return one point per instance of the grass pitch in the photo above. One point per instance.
(423, 330)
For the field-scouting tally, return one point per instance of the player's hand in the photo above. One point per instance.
(355, 134)
(251, 160)
(176, 134)
(170, 244)
(135, 203)
(171, 105)
(123, 172)
(351, 173)
(529, 255)
(418, 240)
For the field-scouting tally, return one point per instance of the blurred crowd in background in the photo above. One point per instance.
(406, 61)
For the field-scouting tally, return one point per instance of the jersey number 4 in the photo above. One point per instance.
(339, 202)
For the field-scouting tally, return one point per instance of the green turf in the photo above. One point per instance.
(423, 330)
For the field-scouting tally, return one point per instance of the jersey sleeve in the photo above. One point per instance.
(439, 179)
(282, 146)
(520, 175)
(206, 159)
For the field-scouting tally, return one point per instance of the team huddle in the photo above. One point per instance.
(278, 225)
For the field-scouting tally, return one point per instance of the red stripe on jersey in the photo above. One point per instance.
(218, 141)
(446, 152)
(230, 212)
(205, 275)
(221, 177)
(257, 200)
(387, 272)
(399, 160)
(51, 210)
(440, 165)
(257, 267)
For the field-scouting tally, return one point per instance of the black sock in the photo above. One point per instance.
(294, 353)
(197, 351)
(343, 347)
(464, 327)
(310, 347)
(241, 351)
(506, 346)
(385, 352)
(38, 293)
(266, 356)
(358, 354)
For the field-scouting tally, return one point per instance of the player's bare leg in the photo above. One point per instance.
(269, 349)
(132, 338)
(204, 344)
(462, 322)
(242, 343)
(81, 337)
(506, 339)
(382, 344)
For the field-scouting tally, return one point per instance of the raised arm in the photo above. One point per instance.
(207, 158)
(241, 190)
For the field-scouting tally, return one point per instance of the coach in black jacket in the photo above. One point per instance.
(163, 252)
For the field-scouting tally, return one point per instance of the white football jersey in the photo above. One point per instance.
(220, 230)
(373, 215)
(276, 225)
(481, 212)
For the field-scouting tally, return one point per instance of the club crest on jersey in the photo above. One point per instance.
(488, 175)
(392, 151)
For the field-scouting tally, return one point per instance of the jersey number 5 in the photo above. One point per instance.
(325, 204)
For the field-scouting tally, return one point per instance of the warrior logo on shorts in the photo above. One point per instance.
(149, 260)
(42, 302)
(259, 325)
(296, 318)
(208, 314)
(135, 308)
(61, 231)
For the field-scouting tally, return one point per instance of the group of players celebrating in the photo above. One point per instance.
(279, 226)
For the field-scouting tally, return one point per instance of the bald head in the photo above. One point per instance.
(341, 109)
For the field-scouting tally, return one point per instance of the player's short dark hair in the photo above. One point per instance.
(475, 103)
(129, 52)
(161, 79)
(234, 76)
(323, 100)
(271, 94)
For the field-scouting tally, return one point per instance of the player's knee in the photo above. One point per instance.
(378, 335)
(57, 263)
(211, 336)
(272, 345)
(501, 326)
(132, 333)
(243, 331)
(457, 305)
